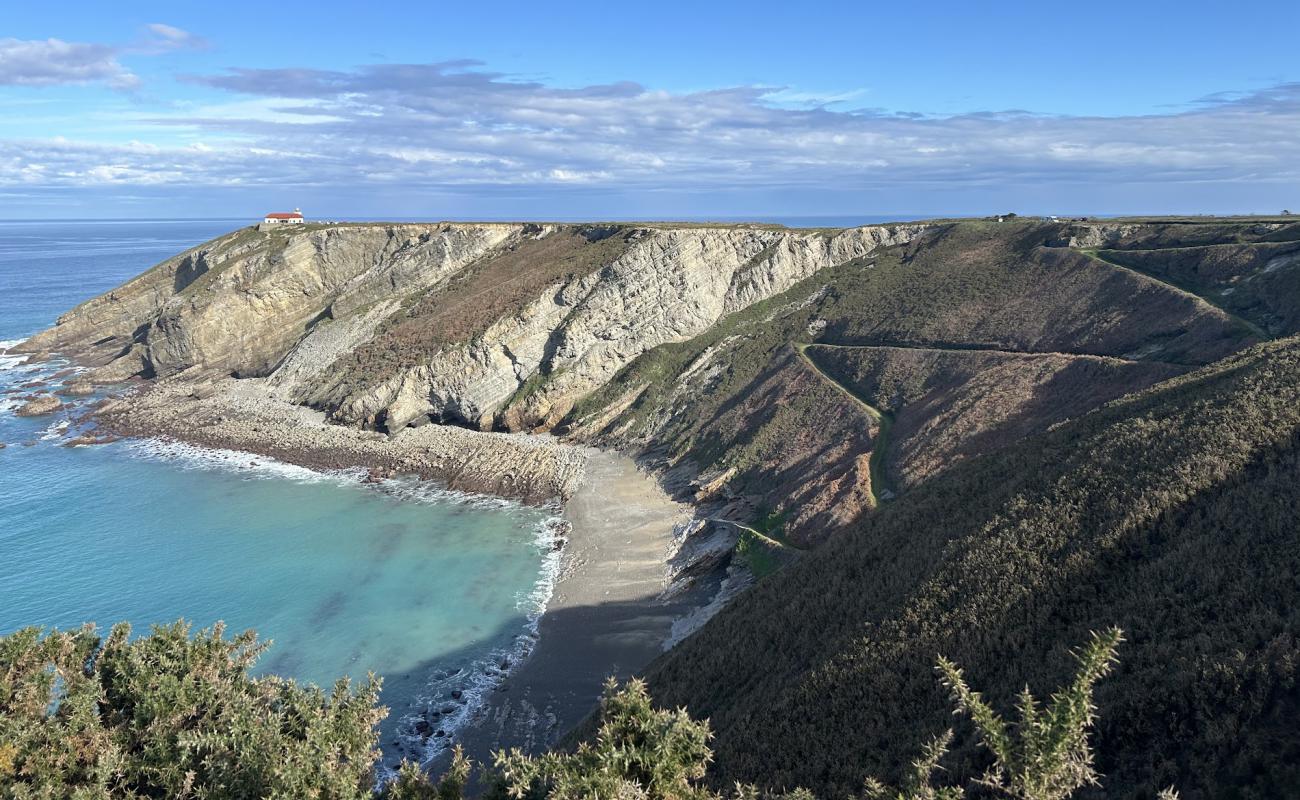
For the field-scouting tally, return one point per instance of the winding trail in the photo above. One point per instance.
(1096, 255)
(884, 422)
(957, 347)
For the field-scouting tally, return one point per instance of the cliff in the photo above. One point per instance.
(987, 437)
(381, 325)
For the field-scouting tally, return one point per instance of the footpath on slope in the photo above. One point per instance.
(1250, 326)
(606, 617)
(884, 421)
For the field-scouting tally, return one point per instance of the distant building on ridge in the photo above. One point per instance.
(281, 218)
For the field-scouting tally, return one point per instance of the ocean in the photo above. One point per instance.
(432, 590)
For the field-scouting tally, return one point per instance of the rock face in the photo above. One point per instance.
(243, 415)
(297, 305)
(39, 405)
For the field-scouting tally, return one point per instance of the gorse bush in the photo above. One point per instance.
(177, 715)
(1045, 756)
(1170, 513)
(917, 784)
(412, 783)
(637, 752)
(174, 715)
(642, 753)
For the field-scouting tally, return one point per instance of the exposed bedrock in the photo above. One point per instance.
(327, 312)
(239, 303)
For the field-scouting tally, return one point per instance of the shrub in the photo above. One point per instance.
(637, 752)
(1045, 755)
(174, 715)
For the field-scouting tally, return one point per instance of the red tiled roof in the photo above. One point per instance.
(279, 215)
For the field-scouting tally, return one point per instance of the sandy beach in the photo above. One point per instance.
(606, 617)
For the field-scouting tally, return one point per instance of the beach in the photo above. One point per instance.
(606, 616)
(249, 415)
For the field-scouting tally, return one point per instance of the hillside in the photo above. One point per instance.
(1170, 513)
(972, 438)
(969, 338)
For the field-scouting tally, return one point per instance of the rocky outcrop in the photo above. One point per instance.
(529, 368)
(39, 405)
(240, 303)
(245, 415)
(1094, 235)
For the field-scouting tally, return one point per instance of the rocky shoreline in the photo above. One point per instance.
(247, 415)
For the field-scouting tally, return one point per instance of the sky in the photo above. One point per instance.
(670, 110)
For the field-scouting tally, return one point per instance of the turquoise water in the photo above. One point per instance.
(430, 589)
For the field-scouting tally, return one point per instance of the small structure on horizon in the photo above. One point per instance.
(282, 218)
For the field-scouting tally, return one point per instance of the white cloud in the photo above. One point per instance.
(160, 38)
(50, 62)
(54, 62)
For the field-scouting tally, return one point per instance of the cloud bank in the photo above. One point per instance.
(54, 62)
(457, 124)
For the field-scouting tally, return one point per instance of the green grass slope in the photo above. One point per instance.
(1171, 513)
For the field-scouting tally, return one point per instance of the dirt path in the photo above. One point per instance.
(884, 423)
(1250, 326)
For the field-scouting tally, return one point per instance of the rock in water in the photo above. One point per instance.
(41, 404)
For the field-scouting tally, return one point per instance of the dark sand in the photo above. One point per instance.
(605, 617)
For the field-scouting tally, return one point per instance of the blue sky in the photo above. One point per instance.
(670, 110)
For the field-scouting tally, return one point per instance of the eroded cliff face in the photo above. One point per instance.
(239, 303)
(489, 325)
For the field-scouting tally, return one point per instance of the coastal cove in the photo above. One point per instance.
(440, 592)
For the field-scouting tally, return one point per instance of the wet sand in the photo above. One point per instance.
(605, 618)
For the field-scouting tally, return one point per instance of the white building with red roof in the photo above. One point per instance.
(282, 218)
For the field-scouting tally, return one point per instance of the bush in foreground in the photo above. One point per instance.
(178, 715)
(174, 715)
